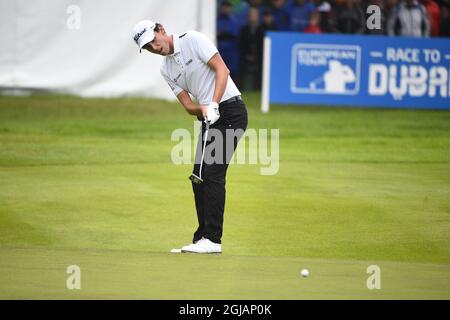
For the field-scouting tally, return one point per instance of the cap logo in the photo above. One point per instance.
(138, 35)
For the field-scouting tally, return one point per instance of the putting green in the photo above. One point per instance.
(109, 274)
(90, 182)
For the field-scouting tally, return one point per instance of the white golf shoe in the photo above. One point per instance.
(203, 246)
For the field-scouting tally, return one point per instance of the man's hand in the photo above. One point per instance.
(211, 112)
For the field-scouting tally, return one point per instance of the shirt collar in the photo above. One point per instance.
(176, 45)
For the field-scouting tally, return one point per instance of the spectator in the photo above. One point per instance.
(281, 15)
(434, 16)
(325, 12)
(244, 7)
(314, 23)
(348, 18)
(227, 39)
(445, 19)
(267, 21)
(300, 12)
(390, 6)
(409, 19)
(250, 49)
(383, 18)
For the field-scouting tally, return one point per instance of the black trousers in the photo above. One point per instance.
(222, 140)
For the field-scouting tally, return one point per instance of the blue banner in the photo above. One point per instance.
(350, 70)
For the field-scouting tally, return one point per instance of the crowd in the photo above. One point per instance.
(241, 25)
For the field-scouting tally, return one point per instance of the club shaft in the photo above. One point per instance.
(203, 151)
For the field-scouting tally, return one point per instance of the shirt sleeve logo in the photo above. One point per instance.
(178, 77)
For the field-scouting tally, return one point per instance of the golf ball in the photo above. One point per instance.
(304, 273)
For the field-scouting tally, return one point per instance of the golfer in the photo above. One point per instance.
(192, 65)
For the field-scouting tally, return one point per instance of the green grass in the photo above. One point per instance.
(90, 182)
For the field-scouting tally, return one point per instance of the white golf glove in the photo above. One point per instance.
(212, 113)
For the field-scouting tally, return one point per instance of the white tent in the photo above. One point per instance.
(84, 47)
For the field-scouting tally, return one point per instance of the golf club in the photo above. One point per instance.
(193, 177)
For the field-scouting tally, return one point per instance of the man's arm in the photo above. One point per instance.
(218, 65)
(191, 107)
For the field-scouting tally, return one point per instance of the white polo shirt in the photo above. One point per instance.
(187, 68)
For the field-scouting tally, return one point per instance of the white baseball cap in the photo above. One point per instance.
(143, 33)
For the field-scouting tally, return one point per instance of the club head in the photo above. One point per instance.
(195, 179)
